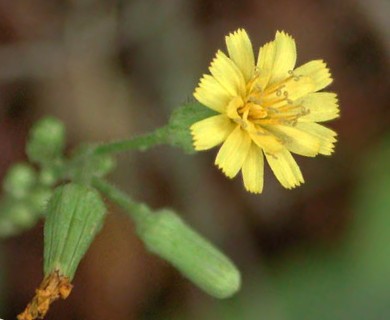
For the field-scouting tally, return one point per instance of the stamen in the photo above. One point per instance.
(285, 140)
(245, 117)
(294, 76)
(272, 155)
(254, 100)
(275, 110)
(241, 122)
(275, 87)
(258, 87)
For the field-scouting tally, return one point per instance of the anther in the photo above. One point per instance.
(241, 122)
(279, 90)
(258, 87)
(261, 133)
(273, 109)
(286, 140)
(254, 100)
(272, 155)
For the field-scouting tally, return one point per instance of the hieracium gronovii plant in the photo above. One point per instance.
(254, 109)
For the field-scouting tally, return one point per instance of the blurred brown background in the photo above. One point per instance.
(112, 69)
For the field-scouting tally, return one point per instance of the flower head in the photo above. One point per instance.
(266, 109)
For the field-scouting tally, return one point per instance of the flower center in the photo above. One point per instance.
(269, 106)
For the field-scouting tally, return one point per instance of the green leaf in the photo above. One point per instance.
(181, 121)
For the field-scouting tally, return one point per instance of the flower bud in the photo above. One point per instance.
(21, 216)
(166, 235)
(75, 214)
(46, 140)
(15, 217)
(19, 180)
(38, 199)
(49, 175)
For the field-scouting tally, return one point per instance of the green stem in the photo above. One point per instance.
(142, 143)
(139, 212)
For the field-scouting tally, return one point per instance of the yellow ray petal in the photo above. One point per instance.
(241, 52)
(265, 63)
(253, 170)
(212, 131)
(265, 59)
(317, 71)
(322, 106)
(211, 94)
(285, 169)
(265, 140)
(232, 108)
(298, 88)
(279, 95)
(296, 140)
(326, 136)
(285, 57)
(233, 152)
(227, 74)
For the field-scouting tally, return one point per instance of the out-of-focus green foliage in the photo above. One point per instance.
(2, 282)
(350, 282)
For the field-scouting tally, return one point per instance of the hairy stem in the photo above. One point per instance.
(139, 212)
(142, 143)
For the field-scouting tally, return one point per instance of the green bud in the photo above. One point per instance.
(181, 121)
(75, 214)
(21, 216)
(50, 174)
(15, 217)
(166, 235)
(38, 199)
(46, 140)
(101, 165)
(19, 180)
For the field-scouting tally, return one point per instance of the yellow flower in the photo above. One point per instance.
(268, 108)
